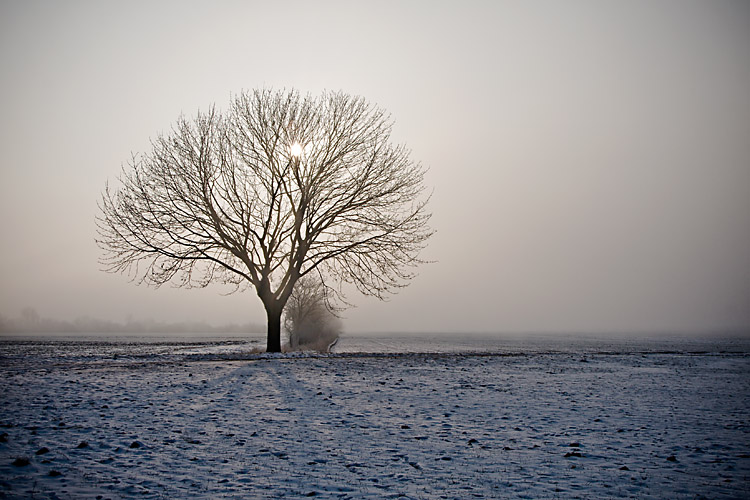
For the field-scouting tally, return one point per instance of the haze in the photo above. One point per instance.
(590, 160)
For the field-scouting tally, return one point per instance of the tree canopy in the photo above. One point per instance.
(278, 187)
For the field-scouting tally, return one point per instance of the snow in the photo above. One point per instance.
(214, 421)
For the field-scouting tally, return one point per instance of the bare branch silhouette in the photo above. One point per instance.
(279, 187)
(308, 317)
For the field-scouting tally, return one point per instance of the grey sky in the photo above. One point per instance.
(590, 160)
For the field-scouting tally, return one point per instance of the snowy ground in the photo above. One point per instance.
(540, 425)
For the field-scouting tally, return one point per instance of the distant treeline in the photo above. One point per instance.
(31, 323)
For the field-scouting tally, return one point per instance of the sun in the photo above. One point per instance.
(296, 150)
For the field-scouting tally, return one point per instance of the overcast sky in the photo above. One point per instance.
(590, 160)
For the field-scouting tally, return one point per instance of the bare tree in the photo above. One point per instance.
(309, 319)
(281, 186)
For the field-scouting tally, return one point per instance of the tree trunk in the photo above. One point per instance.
(273, 312)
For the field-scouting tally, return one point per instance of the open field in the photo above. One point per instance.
(455, 425)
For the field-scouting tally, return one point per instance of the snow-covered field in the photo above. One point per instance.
(206, 420)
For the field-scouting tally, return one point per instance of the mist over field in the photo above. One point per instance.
(589, 161)
(31, 323)
(559, 193)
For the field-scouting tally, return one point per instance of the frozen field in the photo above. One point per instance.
(472, 419)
